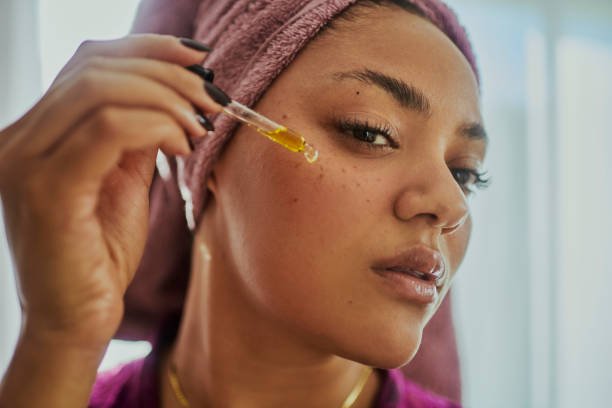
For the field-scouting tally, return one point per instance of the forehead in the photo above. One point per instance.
(402, 45)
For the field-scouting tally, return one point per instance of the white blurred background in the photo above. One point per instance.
(532, 304)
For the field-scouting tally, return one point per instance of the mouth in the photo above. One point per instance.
(425, 276)
(419, 261)
(417, 273)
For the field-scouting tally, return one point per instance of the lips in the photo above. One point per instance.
(418, 261)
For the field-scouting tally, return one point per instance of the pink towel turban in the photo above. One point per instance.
(253, 41)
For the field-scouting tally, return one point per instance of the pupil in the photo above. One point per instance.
(366, 135)
(462, 177)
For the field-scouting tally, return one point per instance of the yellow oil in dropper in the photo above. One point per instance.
(280, 134)
(291, 140)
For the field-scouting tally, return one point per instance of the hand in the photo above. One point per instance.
(75, 173)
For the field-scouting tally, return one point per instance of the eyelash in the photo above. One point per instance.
(481, 180)
(350, 126)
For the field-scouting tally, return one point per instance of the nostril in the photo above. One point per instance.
(454, 227)
(450, 230)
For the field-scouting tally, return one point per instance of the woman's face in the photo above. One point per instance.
(308, 244)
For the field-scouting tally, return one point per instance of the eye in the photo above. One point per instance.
(370, 135)
(470, 179)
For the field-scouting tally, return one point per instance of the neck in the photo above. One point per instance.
(228, 354)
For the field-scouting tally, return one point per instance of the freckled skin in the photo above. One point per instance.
(304, 268)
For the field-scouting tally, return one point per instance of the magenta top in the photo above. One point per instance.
(136, 384)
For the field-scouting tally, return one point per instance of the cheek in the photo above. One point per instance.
(294, 226)
(316, 210)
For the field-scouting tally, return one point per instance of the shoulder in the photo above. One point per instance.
(397, 391)
(119, 387)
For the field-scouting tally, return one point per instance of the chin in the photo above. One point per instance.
(388, 349)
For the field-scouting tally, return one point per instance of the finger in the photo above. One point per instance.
(95, 89)
(182, 81)
(97, 145)
(154, 46)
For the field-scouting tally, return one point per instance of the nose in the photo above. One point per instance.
(431, 192)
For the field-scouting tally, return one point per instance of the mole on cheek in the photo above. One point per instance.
(284, 116)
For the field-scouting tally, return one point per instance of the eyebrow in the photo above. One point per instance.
(474, 131)
(408, 96)
(405, 94)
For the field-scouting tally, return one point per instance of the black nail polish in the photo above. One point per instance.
(217, 94)
(195, 45)
(205, 122)
(204, 73)
(209, 75)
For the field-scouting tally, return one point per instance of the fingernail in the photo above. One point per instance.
(205, 122)
(217, 94)
(195, 45)
(204, 73)
(209, 75)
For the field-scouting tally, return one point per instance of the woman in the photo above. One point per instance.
(303, 276)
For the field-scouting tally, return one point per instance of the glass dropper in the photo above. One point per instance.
(280, 134)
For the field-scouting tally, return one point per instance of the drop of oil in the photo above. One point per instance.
(310, 153)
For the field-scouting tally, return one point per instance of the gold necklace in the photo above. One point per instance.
(348, 402)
